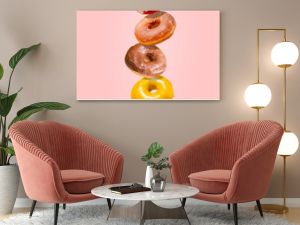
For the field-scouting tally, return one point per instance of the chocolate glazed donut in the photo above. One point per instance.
(148, 61)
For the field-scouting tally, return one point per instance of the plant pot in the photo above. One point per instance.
(9, 183)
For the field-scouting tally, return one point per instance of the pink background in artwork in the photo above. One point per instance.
(193, 52)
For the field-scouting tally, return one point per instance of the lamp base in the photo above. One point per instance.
(276, 209)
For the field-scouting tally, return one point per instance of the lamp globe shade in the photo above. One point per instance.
(257, 95)
(284, 54)
(289, 144)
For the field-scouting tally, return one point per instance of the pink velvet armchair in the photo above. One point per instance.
(60, 164)
(231, 165)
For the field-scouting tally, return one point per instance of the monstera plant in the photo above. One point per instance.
(9, 174)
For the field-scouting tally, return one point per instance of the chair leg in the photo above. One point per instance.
(64, 206)
(235, 213)
(259, 208)
(32, 208)
(183, 202)
(108, 203)
(56, 209)
(228, 206)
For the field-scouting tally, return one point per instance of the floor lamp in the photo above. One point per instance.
(284, 54)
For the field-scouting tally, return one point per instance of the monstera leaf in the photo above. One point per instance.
(27, 111)
(16, 58)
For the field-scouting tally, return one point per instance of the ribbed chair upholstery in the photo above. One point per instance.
(232, 164)
(52, 157)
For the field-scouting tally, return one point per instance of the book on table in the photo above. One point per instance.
(129, 189)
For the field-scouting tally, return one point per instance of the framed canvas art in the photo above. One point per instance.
(148, 55)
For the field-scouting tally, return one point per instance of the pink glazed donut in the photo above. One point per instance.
(155, 28)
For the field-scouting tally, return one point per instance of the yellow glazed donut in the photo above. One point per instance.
(153, 88)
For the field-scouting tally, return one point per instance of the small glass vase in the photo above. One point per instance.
(158, 182)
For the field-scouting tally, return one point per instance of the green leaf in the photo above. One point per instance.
(44, 105)
(1, 71)
(9, 150)
(25, 115)
(6, 103)
(155, 150)
(145, 157)
(16, 58)
(27, 111)
(2, 95)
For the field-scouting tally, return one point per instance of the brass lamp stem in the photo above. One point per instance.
(284, 34)
(284, 98)
(284, 181)
(257, 110)
(257, 55)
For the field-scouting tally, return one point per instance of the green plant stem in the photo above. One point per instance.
(10, 77)
(3, 133)
(1, 156)
(0, 123)
(3, 142)
(8, 159)
(2, 152)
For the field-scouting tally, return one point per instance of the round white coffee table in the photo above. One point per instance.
(145, 209)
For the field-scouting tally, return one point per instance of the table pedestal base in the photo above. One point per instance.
(147, 210)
